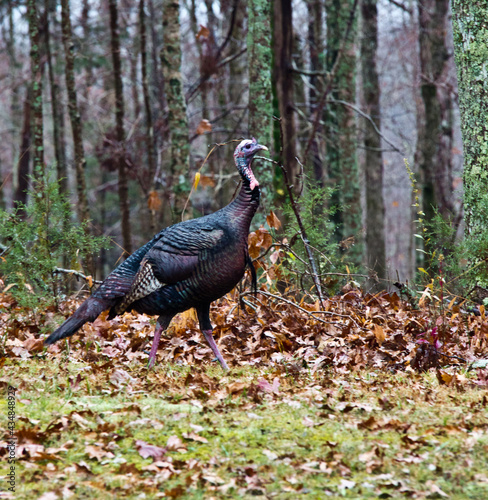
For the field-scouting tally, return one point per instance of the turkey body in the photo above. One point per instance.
(189, 264)
(196, 261)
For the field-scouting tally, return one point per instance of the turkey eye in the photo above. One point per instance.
(247, 146)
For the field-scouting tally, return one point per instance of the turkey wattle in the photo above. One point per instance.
(189, 264)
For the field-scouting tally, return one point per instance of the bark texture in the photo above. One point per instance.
(435, 124)
(123, 185)
(36, 85)
(260, 61)
(471, 55)
(283, 81)
(177, 119)
(375, 207)
(340, 129)
(74, 114)
(56, 106)
(151, 155)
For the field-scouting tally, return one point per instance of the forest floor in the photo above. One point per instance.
(376, 399)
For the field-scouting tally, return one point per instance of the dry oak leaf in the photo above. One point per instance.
(147, 450)
(204, 126)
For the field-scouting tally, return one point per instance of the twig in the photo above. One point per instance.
(298, 217)
(367, 117)
(310, 313)
(60, 270)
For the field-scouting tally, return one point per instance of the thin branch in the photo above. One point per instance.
(401, 6)
(303, 233)
(60, 270)
(289, 302)
(367, 117)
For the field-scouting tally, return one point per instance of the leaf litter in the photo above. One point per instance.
(371, 397)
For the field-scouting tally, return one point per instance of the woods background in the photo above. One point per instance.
(121, 102)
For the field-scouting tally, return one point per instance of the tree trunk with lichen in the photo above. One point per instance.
(260, 60)
(36, 103)
(123, 184)
(471, 56)
(340, 129)
(179, 161)
(75, 119)
(375, 206)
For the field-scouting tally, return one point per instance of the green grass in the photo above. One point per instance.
(317, 435)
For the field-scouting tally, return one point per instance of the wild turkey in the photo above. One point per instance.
(189, 264)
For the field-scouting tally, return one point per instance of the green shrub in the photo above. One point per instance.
(38, 238)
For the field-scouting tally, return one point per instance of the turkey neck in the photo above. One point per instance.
(244, 206)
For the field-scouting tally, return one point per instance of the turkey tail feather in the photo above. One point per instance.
(88, 311)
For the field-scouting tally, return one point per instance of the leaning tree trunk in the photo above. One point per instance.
(36, 104)
(260, 59)
(123, 184)
(74, 114)
(177, 119)
(340, 127)
(375, 207)
(283, 81)
(434, 144)
(469, 21)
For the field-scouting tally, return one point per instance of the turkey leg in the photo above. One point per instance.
(203, 313)
(161, 325)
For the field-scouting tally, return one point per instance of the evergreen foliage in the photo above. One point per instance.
(37, 238)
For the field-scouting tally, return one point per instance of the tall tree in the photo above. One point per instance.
(315, 43)
(435, 122)
(375, 207)
(471, 56)
(56, 104)
(177, 119)
(123, 184)
(283, 81)
(74, 113)
(340, 124)
(20, 197)
(151, 149)
(36, 85)
(260, 60)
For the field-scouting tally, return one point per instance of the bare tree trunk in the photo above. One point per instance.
(20, 197)
(119, 129)
(340, 129)
(151, 150)
(88, 69)
(315, 42)
(283, 81)
(57, 110)
(375, 207)
(74, 114)
(177, 119)
(434, 144)
(260, 60)
(36, 83)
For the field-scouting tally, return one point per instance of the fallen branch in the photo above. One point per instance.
(78, 274)
(309, 313)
